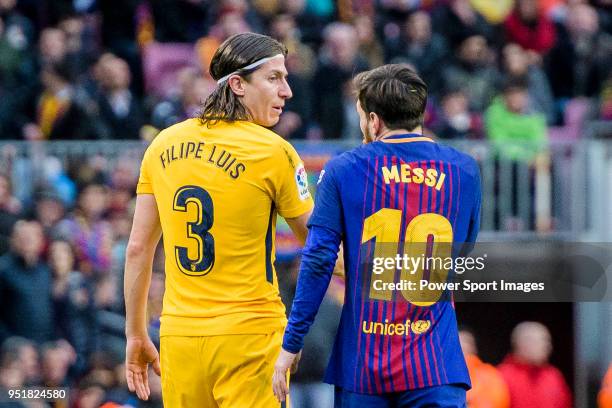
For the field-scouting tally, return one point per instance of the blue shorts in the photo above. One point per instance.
(442, 396)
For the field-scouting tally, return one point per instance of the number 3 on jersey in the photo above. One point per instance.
(196, 230)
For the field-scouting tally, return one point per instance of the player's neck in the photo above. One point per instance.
(392, 132)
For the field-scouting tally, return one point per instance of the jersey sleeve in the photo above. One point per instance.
(144, 181)
(318, 260)
(328, 208)
(291, 195)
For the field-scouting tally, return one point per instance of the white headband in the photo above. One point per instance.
(250, 66)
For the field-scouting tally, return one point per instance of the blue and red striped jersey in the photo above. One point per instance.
(402, 188)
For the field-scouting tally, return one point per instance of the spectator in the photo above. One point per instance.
(193, 90)
(370, 49)
(530, 28)
(49, 210)
(338, 62)
(489, 390)
(56, 359)
(88, 232)
(228, 24)
(10, 208)
(474, 71)
(456, 121)
(516, 64)
(60, 114)
(300, 64)
(457, 20)
(532, 381)
(73, 299)
(310, 24)
(516, 134)
(604, 398)
(19, 28)
(21, 354)
(119, 109)
(53, 50)
(119, 36)
(422, 48)
(80, 43)
(587, 47)
(25, 285)
(16, 71)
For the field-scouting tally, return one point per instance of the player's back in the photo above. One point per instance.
(393, 193)
(218, 191)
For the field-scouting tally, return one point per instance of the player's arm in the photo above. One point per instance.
(318, 262)
(140, 351)
(299, 226)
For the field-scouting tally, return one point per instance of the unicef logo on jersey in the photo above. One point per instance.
(301, 180)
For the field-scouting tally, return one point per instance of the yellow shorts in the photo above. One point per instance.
(232, 371)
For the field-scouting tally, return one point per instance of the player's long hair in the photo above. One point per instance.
(394, 92)
(233, 55)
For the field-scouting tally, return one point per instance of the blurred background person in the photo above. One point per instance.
(10, 209)
(20, 355)
(532, 380)
(516, 64)
(514, 131)
(193, 90)
(604, 398)
(338, 62)
(489, 389)
(581, 60)
(88, 231)
(420, 46)
(455, 120)
(473, 69)
(60, 113)
(74, 304)
(530, 27)
(25, 285)
(119, 109)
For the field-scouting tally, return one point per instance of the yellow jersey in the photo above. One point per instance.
(218, 191)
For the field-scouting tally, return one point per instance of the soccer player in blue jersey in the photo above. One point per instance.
(392, 349)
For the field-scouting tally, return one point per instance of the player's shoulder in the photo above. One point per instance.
(343, 165)
(257, 133)
(345, 160)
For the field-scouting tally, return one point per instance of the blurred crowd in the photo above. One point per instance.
(98, 69)
(515, 72)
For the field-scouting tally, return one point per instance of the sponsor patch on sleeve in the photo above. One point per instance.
(301, 180)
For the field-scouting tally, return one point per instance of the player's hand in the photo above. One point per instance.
(296, 362)
(284, 361)
(140, 352)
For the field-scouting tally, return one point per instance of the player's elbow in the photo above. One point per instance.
(134, 249)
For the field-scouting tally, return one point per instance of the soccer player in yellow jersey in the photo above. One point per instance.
(213, 186)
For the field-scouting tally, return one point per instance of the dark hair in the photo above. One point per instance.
(515, 83)
(60, 69)
(233, 55)
(395, 93)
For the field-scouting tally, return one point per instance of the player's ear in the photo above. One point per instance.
(236, 84)
(375, 121)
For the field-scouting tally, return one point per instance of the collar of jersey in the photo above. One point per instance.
(407, 138)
